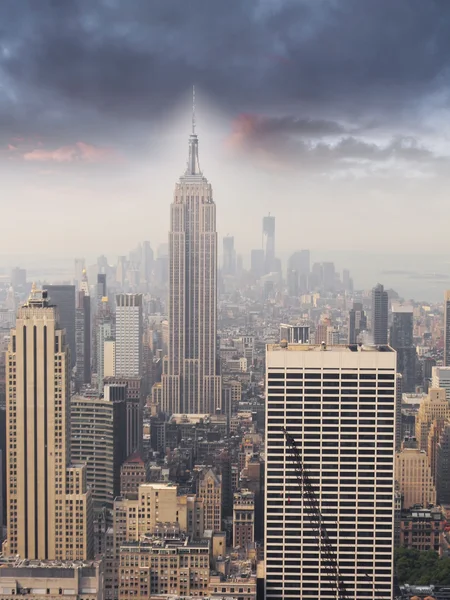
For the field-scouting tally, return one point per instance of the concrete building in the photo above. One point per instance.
(192, 384)
(49, 508)
(130, 389)
(434, 407)
(316, 392)
(443, 466)
(99, 439)
(401, 338)
(243, 519)
(413, 474)
(133, 473)
(295, 334)
(440, 378)
(129, 335)
(163, 566)
(83, 339)
(357, 322)
(380, 311)
(45, 580)
(109, 358)
(104, 330)
(229, 256)
(423, 529)
(209, 489)
(447, 329)
(63, 297)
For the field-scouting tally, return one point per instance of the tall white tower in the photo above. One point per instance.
(129, 332)
(191, 384)
(338, 403)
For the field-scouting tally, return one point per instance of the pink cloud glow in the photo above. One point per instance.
(79, 152)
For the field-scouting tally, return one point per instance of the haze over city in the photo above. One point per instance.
(334, 122)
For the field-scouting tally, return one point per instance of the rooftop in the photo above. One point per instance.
(285, 346)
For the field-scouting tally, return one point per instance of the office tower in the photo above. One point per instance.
(209, 489)
(300, 261)
(447, 329)
(101, 287)
(347, 281)
(413, 474)
(133, 473)
(440, 378)
(379, 315)
(434, 407)
(229, 256)
(257, 263)
(243, 519)
(293, 287)
(338, 403)
(130, 389)
(63, 297)
(99, 439)
(162, 265)
(83, 335)
(109, 358)
(18, 278)
(268, 229)
(147, 260)
(43, 489)
(3, 464)
(129, 334)
(321, 333)
(398, 410)
(192, 384)
(294, 334)
(357, 322)
(328, 277)
(443, 466)
(402, 340)
(1, 496)
(105, 330)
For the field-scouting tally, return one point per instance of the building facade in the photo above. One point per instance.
(49, 509)
(63, 297)
(129, 335)
(191, 383)
(413, 474)
(339, 404)
(447, 329)
(380, 313)
(401, 338)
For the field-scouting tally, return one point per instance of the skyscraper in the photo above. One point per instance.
(357, 322)
(229, 256)
(43, 489)
(402, 340)
(83, 334)
(447, 329)
(269, 243)
(379, 315)
(338, 403)
(257, 262)
(129, 333)
(191, 384)
(63, 297)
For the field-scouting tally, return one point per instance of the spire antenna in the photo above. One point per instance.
(193, 110)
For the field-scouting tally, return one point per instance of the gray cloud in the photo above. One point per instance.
(63, 60)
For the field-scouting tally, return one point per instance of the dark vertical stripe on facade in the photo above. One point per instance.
(46, 524)
(35, 439)
(25, 438)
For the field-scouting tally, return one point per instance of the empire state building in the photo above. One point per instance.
(190, 381)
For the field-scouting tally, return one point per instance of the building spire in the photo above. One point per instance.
(193, 166)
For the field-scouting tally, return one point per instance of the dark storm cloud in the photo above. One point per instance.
(133, 59)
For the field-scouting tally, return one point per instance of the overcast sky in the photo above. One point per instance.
(333, 115)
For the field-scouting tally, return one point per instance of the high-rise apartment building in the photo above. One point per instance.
(338, 403)
(268, 229)
(229, 256)
(413, 474)
(401, 338)
(447, 329)
(99, 439)
(49, 509)
(129, 335)
(192, 384)
(440, 378)
(380, 310)
(63, 297)
(357, 322)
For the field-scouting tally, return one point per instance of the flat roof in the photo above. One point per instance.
(295, 347)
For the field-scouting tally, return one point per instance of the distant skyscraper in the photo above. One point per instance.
(402, 340)
(257, 263)
(79, 270)
(48, 505)
(83, 339)
(129, 334)
(447, 329)
(105, 330)
(18, 278)
(229, 256)
(192, 384)
(357, 322)
(269, 243)
(352, 476)
(146, 262)
(379, 315)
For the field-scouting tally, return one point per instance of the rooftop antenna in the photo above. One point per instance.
(193, 110)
